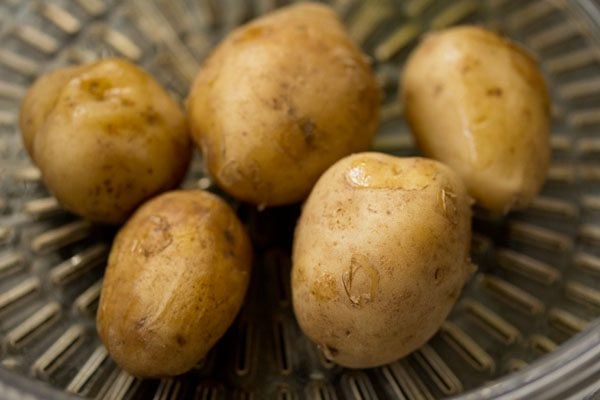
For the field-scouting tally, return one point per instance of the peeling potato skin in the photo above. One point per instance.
(176, 277)
(280, 100)
(478, 103)
(380, 255)
(106, 137)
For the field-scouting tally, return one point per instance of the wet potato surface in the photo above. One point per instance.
(176, 277)
(279, 100)
(381, 253)
(478, 102)
(105, 136)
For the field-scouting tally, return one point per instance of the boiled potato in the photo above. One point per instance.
(39, 101)
(380, 255)
(105, 136)
(280, 100)
(478, 103)
(176, 277)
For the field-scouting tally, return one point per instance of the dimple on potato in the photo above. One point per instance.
(105, 137)
(478, 102)
(280, 100)
(380, 255)
(176, 277)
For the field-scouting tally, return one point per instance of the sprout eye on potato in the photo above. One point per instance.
(380, 255)
(280, 100)
(105, 136)
(176, 277)
(479, 104)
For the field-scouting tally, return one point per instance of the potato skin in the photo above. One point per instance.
(39, 101)
(280, 100)
(380, 255)
(176, 277)
(478, 103)
(105, 136)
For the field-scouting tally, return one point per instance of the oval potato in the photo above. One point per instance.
(106, 137)
(380, 255)
(176, 277)
(280, 100)
(478, 103)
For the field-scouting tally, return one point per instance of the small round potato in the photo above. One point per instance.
(105, 136)
(380, 255)
(39, 101)
(176, 277)
(280, 100)
(478, 103)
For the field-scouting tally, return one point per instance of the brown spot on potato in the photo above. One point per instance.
(299, 275)
(324, 288)
(96, 87)
(469, 63)
(494, 92)
(126, 102)
(406, 295)
(151, 116)
(340, 215)
(180, 340)
(229, 254)
(229, 238)
(95, 191)
(276, 103)
(438, 89)
(251, 33)
(307, 127)
(438, 275)
(110, 128)
(108, 186)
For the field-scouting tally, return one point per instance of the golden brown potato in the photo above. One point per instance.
(280, 100)
(105, 136)
(479, 104)
(39, 101)
(380, 255)
(176, 277)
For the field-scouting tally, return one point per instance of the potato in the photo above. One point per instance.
(280, 100)
(105, 136)
(478, 103)
(380, 255)
(39, 101)
(176, 277)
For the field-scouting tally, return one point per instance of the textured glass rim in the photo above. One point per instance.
(573, 369)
